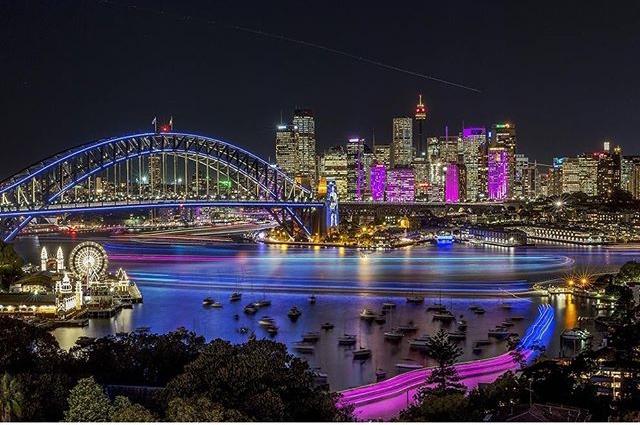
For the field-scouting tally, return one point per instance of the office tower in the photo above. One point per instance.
(368, 159)
(632, 176)
(333, 167)
(570, 175)
(355, 169)
(504, 136)
(609, 170)
(378, 181)
(421, 170)
(530, 182)
(400, 185)
(588, 174)
(452, 183)
(472, 148)
(522, 163)
(287, 149)
(382, 154)
(441, 151)
(155, 174)
(402, 142)
(421, 116)
(304, 122)
(498, 173)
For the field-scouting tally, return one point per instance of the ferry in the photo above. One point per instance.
(444, 239)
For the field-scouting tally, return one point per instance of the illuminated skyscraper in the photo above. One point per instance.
(471, 147)
(440, 152)
(306, 143)
(400, 185)
(378, 181)
(504, 136)
(421, 116)
(382, 153)
(287, 149)
(452, 182)
(609, 170)
(402, 142)
(333, 167)
(498, 171)
(355, 169)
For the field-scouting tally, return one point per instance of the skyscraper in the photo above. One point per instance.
(287, 149)
(609, 170)
(471, 148)
(306, 143)
(441, 151)
(355, 169)
(378, 181)
(421, 116)
(400, 185)
(402, 142)
(498, 171)
(333, 167)
(504, 136)
(452, 183)
(382, 153)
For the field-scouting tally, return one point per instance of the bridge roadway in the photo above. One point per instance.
(385, 399)
(58, 209)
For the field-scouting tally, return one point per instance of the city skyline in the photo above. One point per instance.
(89, 96)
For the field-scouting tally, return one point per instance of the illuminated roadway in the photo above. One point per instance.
(385, 399)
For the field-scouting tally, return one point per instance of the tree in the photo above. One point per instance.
(10, 398)
(451, 407)
(200, 409)
(498, 397)
(10, 265)
(443, 378)
(629, 272)
(259, 379)
(125, 411)
(88, 403)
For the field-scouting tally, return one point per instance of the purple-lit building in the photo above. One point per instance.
(401, 184)
(498, 173)
(378, 178)
(452, 183)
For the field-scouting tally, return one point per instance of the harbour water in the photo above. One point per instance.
(174, 278)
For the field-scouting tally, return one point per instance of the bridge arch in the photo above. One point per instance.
(111, 171)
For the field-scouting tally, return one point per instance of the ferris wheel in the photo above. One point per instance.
(88, 260)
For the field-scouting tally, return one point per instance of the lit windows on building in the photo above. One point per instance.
(333, 167)
(402, 142)
(400, 185)
(378, 177)
(471, 147)
(452, 183)
(356, 181)
(498, 170)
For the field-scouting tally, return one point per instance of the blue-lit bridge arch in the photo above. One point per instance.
(151, 170)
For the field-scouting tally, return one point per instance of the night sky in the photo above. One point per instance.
(566, 73)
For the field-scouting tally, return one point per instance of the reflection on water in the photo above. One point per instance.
(175, 278)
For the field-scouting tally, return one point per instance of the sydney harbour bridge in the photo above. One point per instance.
(153, 170)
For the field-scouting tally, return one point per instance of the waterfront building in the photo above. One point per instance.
(471, 147)
(402, 142)
(355, 169)
(452, 183)
(378, 178)
(521, 164)
(498, 173)
(304, 122)
(400, 185)
(503, 136)
(382, 154)
(333, 167)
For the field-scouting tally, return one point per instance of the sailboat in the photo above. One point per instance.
(235, 295)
